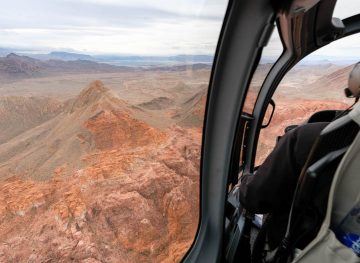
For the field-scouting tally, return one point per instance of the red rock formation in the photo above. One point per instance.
(112, 129)
(135, 200)
(145, 209)
(119, 190)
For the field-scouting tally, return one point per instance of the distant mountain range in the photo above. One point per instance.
(154, 60)
(66, 56)
(158, 61)
(117, 60)
(13, 67)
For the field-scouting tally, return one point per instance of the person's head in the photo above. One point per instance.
(353, 89)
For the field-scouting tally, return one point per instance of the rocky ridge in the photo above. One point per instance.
(134, 199)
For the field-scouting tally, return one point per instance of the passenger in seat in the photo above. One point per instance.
(271, 188)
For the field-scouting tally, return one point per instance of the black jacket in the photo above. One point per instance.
(271, 188)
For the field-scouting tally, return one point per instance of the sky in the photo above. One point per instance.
(139, 27)
(136, 27)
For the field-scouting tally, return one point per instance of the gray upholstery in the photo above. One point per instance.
(344, 193)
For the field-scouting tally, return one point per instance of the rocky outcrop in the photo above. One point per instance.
(136, 205)
(133, 199)
(95, 120)
(159, 103)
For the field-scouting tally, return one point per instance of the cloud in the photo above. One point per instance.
(56, 13)
(148, 27)
(346, 8)
(135, 27)
(191, 37)
(200, 8)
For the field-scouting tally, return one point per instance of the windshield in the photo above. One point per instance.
(346, 8)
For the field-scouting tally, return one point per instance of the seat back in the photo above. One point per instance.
(311, 195)
(343, 194)
(323, 159)
(324, 116)
(348, 184)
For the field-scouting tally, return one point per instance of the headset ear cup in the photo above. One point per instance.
(353, 89)
(348, 93)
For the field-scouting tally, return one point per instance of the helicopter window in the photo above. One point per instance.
(346, 8)
(315, 84)
(101, 113)
(270, 54)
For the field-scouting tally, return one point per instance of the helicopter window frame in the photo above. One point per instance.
(281, 67)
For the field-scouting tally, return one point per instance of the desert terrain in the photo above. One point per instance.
(100, 163)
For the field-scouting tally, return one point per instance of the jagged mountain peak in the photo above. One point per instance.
(12, 55)
(94, 93)
(95, 88)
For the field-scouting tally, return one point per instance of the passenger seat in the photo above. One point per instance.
(344, 193)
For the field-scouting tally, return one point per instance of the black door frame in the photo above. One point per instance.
(244, 32)
(285, 63)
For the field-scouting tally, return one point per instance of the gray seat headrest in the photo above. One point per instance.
(353, 89)
(348, 185)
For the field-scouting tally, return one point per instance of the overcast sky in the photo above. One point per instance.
(138, 27)
(158, 27)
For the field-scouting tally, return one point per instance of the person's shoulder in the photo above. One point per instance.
(306, 134)
(307, 131)
(313, 128)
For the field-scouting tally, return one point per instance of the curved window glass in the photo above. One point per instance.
(270, 54)
(346, 8)
(315, 84)
(101, 113)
